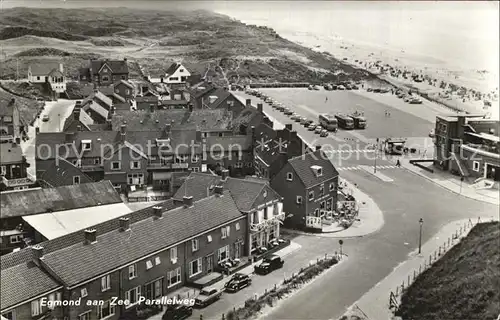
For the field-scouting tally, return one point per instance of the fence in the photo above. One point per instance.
(150, 198)
(395, 296)
(278, 291)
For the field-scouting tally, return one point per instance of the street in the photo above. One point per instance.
(57, 111)
(403, 201)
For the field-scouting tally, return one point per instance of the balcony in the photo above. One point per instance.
(266, 223)
(19, 182)
(91, 168)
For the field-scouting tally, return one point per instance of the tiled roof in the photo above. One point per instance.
(34, 201)
(43, 69)
(55, 175)
(173, 67)
(221, 94)
(246, 117)
(116, 66)
(145, 120)
(201, 89)
(211, 120)
(230, 143)
(80, 262)
(10, 153)
(128, 84)
(247, 194)
(23, 282)
(150, 98)
(84, 119)
(302, 167)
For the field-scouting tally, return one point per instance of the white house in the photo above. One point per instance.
(52, 73)
(176, 74)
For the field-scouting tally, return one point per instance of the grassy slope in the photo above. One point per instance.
(462, 285)
(28, 109)
(201, 40)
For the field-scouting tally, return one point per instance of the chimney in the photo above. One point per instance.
(188, 201)
(157, 211)
(152, 108)
(37, 130)
(90, 236)
(198, 135)
(69, 137)
(18, 141)
(224, 174)
(123, 132)
(125, 59)
(124, 224)
(248, 102)
(219, 191)
(288, 126)
(318, 148)
(37, 254)
(61, 68)
(260, 107)
(253, 132)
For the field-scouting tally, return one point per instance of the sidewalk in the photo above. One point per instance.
(371, 218)
(375, 303)
(452, 183)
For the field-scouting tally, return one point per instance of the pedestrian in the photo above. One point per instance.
(398, 164)
(326, 99)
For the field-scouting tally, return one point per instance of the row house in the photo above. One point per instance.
(273, 148)
(151, 257)
(254, 198)
(468, 146)
(13, 167)
(79, 119)
(120, 92)
(97, 106)
(222, 98)
(105, 72)
(47, 72)
(309, 186)
(10, 122)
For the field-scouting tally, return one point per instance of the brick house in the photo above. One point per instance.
(97, 106)
(125, 89)
(105, 72)
(468, 146)
(254, 197)
(79, 119)
(308, 184)
(221, 98)
(13, 167)
(234, 153)
(10, 122)
(140, 254)
(273, 148)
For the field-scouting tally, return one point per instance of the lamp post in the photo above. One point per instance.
(421, 222)
(375, 159)
(341, 243)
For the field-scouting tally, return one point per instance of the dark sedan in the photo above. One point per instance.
(238, 282)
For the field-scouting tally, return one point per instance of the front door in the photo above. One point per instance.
(237, 248)
(209, 262)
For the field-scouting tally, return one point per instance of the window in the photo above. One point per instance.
(225, 231)
(105, 283)
(132, 271)
(299, 200)
(181, 158)
(7, 119)
(238, 165)
(84, 292)
(86, 145)
(149, 264)
(115, 165)
(311, 195)
(84, 316)
(196, 169)
(9, 315)
(135, 165)
(289, 176)
(204, 134)
(209, 238)
(195, 267)
(105, 78)
(117, 90)
(174, 78)
(321, 190)
(36, 308)
(237, 226)
(223, 254)
(174, 277)
(173, 255)
(332, 186)
(3, 170)
(475, 166)
(181, 70)
(18, 238)
(76, 179)
(127, 91)
(316, 212)
(124, 78)
(97, 161)
(105, 310)
(195, 158)
(157, 261)
(133, 296)
(194, 245)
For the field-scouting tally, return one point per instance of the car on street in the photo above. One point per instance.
(341, 87)
(316, 87)
(238, 282)
(303, 121)
(288, 111)
(312, 126)
(45, 118)
(369, 89)
(318, 129)
(207, 297)
(308, 123)
(269, 264)
(268, 100)
(280, 107)
(324, 133)
(294, 116)
(310, 87)
(177, 312)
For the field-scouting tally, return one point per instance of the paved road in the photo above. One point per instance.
(57, 111)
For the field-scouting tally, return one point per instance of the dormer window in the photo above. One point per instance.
(86, 145)
(289, 176)
(318, 171)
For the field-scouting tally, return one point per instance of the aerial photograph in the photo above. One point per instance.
(249, 160)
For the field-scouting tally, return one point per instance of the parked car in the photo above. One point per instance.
(312, 126)
(369, 89)
(288, 111)
(324, 133)
(207, 297)
(269, 264)
(268, 100)
(316, 87)
(45, 118)
(308, 123)
(177, 312)
(238, 282)
(318, 129)
(280, 107)
(303, 121)
(310, 87)
(341, 87)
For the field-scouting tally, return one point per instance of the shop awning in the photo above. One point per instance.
(162, 175)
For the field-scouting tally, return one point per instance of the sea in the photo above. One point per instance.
(453, 35)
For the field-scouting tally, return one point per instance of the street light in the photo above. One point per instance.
(421, 221)
(341, 243)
